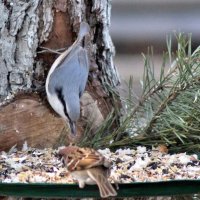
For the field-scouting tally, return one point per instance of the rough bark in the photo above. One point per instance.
(19, 40)
(25, 27)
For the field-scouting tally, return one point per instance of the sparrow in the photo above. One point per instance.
(89, 167)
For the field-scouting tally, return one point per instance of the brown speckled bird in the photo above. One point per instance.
(88, 166)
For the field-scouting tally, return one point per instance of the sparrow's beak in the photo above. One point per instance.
(73, 127)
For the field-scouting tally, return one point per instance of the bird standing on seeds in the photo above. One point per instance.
(67, 78)
(88, 166)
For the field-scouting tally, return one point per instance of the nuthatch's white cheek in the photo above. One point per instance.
(57, 105)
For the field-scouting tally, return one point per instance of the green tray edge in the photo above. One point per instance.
(162, 188)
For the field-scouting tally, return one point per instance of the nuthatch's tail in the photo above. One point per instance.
(84, 30)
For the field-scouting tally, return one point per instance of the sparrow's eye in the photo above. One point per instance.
(69, 158)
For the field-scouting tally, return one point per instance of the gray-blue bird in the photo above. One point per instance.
(67, 78)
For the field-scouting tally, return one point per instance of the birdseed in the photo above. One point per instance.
(31, 165)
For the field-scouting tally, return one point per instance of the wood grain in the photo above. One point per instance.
(29, 120)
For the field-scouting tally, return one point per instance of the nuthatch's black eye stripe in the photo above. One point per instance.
(83, 43)
(61, 98)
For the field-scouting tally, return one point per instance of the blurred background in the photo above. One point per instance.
(138, 24)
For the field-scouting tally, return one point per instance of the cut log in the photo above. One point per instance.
(29, 119)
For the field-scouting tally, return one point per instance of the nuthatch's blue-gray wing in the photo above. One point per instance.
(84, 65)
(67, 79)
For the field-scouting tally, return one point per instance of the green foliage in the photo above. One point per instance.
(168, 111)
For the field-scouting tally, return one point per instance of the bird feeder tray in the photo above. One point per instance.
(163, 188)
(46, 160)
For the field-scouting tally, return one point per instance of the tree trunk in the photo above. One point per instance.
(26, 27)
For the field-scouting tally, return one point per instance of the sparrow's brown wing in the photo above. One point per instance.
(99, 175)
(83, 158)
(90, 158)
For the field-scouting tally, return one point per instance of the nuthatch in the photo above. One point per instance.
(67, 78)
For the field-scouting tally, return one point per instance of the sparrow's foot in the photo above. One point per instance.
(81, 184)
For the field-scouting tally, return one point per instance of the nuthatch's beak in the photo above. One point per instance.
(73, 127)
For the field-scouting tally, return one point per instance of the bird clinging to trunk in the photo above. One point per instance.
(67, 79)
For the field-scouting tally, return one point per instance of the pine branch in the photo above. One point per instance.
(169, 108)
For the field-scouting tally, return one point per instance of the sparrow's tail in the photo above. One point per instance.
(100, 177)
(106, 190)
